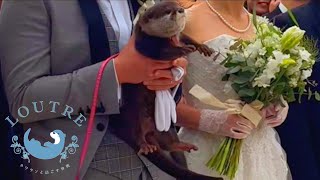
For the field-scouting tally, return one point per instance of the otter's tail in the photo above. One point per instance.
(166, 164)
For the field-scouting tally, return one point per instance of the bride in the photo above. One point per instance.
(216, 23)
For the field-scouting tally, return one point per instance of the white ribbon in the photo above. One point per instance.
(165, 106)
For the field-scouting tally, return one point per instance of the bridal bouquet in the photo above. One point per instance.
(273, 67)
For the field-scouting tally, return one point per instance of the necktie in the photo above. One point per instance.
(98, 38)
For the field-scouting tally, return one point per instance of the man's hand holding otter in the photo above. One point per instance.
(132, 67)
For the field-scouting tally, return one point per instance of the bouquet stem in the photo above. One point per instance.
(226, 160)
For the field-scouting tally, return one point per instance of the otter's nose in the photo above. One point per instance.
(181, 10)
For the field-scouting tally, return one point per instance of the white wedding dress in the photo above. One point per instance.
(262, 157)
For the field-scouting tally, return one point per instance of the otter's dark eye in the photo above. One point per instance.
(181, 10)
(168, 11)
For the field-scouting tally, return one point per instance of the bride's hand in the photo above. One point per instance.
(275, 115)
(224, 124)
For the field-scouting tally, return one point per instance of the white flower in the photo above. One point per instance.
(262, 81)
(306, 74)
(279, 56)
(293, 82)
(291, 37)
(272, 68)
(294, 69)
(262, 51)
(263, 19)
(252, 49)
(304, 54)
(272, 41)
(260, 62)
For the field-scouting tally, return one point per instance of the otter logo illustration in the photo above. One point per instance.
(48, 150)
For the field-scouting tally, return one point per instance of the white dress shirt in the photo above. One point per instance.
(118, 14)
(283, 8)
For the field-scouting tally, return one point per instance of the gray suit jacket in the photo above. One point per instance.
(45, 56)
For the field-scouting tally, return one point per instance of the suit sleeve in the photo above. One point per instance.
(26, 72)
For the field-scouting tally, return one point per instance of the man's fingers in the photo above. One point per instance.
(160, 65)
(161, 82)
(182, 62)
(159, 88)
(163, 74)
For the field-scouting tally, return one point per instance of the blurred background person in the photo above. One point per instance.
(300, 133)
(282, 6)
(187, 3)
(272, 8)
(262, 6)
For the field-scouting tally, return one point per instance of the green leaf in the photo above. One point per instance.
(226, 60)
(301, 91)
(237, 59)
(255, 15)
(236, 87)
(309, 94)
(225, 77)
(317, 96)
(230, 65)
(247, 68)
(246, 92)
(236, 45)
(234, 70)
(241, 79)
(291, 97)
(293, 18)
(279, 88)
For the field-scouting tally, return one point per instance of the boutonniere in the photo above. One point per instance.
(144, 5)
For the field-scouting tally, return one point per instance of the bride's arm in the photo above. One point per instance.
(213, 121)
(188, 116)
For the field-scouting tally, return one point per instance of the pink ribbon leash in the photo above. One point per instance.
(92, 115)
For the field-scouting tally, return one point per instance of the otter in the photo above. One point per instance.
(158, 33)
(158, 36)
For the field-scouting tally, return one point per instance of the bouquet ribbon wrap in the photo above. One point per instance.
(249, 111)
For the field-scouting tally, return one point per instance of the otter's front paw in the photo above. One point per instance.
(146, 148)
(188, 49)
(205, 50)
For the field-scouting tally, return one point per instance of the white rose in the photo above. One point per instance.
(306, 74)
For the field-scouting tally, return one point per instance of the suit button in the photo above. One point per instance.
(100, 127)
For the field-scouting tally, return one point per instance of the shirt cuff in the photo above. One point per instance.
(119, 91)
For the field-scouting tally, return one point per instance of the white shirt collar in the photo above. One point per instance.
(283, 8)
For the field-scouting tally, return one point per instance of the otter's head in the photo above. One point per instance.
(165, 20)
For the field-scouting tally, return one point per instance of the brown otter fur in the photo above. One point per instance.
(136, 123)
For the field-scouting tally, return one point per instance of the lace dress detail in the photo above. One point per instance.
(262, 157)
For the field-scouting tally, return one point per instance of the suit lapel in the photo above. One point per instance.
(98, 38)
(135, 6)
